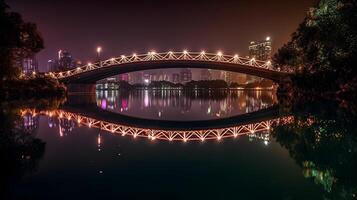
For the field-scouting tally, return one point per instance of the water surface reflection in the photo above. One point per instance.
(181, 105)
(308, 152)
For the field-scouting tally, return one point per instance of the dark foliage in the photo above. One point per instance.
(18, 40)
(39, 87)
(324, 48)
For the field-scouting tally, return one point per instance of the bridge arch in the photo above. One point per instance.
(91, 73)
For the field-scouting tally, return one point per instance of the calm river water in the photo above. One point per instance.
(167, 144)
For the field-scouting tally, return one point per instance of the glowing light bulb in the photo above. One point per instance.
(99, 49)
(219, 53)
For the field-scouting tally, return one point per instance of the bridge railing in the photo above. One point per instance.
(152, 56)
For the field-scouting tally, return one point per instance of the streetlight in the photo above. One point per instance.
(99, 50)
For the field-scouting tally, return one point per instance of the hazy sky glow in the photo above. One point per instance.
(124, 27)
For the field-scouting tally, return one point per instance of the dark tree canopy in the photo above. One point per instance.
(325, 42)
(18, 40)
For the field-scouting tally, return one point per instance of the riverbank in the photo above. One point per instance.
(32, 88)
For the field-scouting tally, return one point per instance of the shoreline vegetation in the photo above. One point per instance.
(38, 88)
(322, 52)
(20, 40)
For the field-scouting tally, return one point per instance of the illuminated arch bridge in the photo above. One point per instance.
(168, 135)
(92, 72)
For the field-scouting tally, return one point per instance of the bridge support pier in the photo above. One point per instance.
(81, 88)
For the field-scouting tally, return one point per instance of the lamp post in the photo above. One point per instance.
(99, 50)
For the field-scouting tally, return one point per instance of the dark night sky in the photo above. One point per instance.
(124, 27)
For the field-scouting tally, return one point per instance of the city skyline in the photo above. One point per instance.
(80, 32)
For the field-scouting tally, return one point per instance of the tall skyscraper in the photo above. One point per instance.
(260, 50)
(65, 60)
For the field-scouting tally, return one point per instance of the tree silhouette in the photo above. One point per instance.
(18, 40)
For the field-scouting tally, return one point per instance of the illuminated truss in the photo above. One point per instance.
(168, 135)
(153, 56)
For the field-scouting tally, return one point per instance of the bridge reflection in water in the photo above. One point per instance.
(260, 130)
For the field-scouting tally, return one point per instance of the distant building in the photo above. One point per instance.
(175, 78)
(260, 50)
(63, 62)
(226, 76)
(241, 78)
(238, 78)
(29, 65)
(136, 78)
(52, 66)
(162, 76)
(206, 74)
(123, 77)
(185, 75)
(147, 79)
